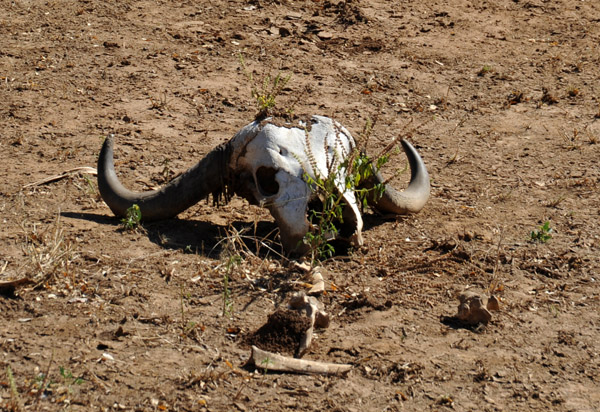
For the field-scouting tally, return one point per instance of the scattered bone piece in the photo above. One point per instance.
(317, 282)
(309, 304)
(12, 284)
(471, 309)
(302, 267)
(274, 362)
(493, 303)
(314, 310)
(66, 173)
(322, 320)
(305, 342)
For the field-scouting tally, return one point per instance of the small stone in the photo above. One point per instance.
(322, 320)
(293, 16)
(471, 309)
(325, 35)
(493, 303)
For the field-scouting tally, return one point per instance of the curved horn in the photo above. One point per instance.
(414, 197)
(208, 176)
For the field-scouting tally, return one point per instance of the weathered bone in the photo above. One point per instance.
(314, 310)
(474, 308)
(273, 362)
(10, 285)
(266, 164)
(318, 284)
(276, 158)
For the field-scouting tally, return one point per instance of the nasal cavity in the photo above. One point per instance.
(265, 178)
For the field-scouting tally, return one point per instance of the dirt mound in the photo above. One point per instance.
(282, 333)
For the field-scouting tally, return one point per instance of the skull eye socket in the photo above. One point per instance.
(265, 179)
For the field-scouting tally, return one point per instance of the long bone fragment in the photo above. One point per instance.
(274, 362)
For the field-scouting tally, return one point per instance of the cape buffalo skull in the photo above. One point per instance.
(266, 164)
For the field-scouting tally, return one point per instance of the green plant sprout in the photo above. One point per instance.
(15, 403)
(186, 325)
(90, 187)
(68, 377)
(133, 218)
(266, 362)
(233, 261)
(355, 171)
(484, 70)
(271, 87)
(543, 234)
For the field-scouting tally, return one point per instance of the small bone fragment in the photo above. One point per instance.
(303, 267)
(321, 320)
(66, 173)
(274, 362)
(305, 342)
(317, 282)
(12, 284)
(472, 310)
(309, 304)
(493, 303)
(300, 302)
(313, 309)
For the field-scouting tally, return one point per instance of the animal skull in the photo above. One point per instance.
(266, 164)
(273, 160)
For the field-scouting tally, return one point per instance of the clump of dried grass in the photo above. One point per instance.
(49, 254)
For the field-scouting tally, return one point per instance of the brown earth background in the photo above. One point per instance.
(500, 97)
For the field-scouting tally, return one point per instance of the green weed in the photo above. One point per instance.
(543, 234)
(265, 95)
(351, 174)
(186, 326)
(89, 188)
(484, 70)
(68, 379)
(15, 403)
(232, 262)
(266, 362)
(132, 219)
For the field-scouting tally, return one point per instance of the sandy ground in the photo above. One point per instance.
(501, 98)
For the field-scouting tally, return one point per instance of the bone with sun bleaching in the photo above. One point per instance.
(267, 164)
(274, 362)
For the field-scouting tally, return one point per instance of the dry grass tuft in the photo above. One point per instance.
(49, 254)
